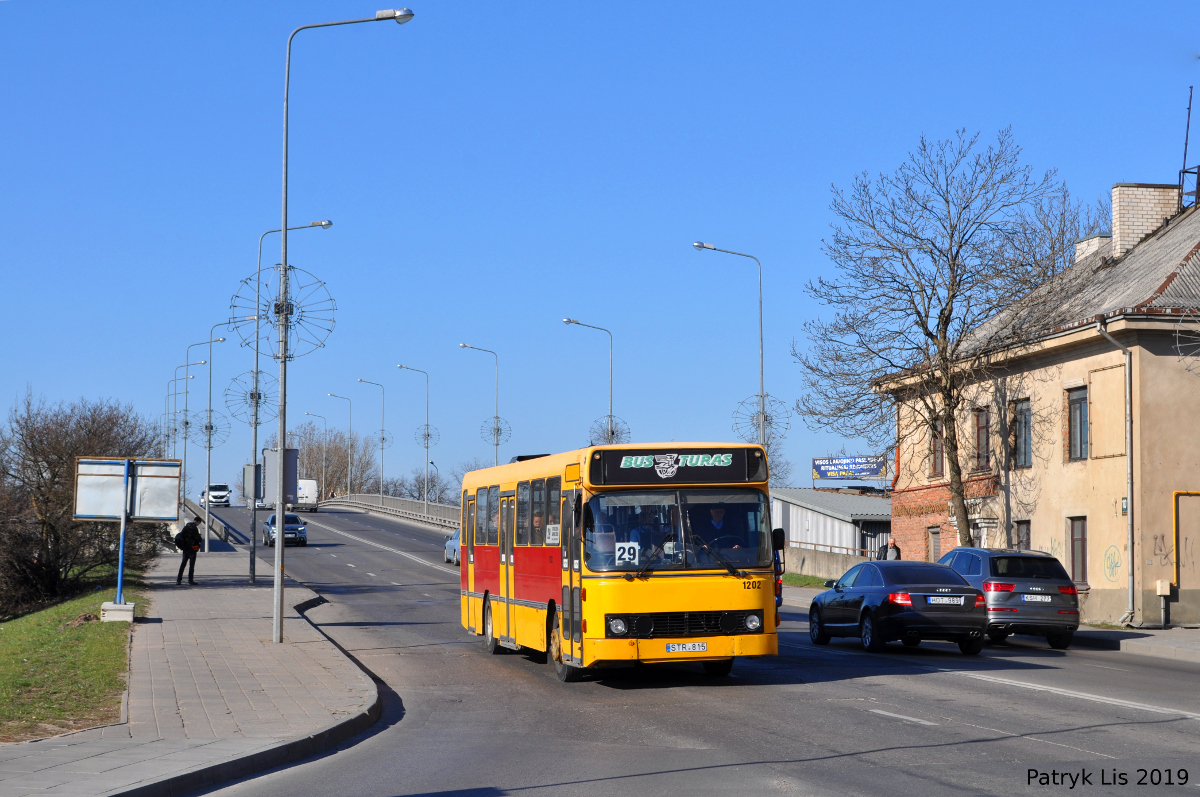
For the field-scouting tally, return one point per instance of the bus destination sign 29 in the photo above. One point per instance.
(870, 467)
(687, 466)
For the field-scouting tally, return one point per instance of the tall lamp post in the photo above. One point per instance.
(496, 419)
(700, 246)
(426, 435)
(382, 427)
(255, 395)
(569, 322)
(208, 425)
(283, 309)
(349, 442)
(324, 451)
(186, 421)
(171, 404)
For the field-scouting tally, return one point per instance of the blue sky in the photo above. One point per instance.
(490, 169)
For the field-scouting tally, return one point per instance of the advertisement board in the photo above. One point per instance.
(850, 468)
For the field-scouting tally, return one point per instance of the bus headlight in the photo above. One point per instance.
(753, 622)
(617, 626)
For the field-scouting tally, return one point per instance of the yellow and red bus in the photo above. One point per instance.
(611, 555)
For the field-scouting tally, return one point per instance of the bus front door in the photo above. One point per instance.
(572, 603)
(508, 636)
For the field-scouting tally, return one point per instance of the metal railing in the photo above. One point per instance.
(443, 515)
(820, 546)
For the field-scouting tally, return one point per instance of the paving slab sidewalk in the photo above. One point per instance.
(210, 697)
(1182, 644)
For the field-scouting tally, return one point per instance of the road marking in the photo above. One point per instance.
(333, 555)
(1112, 701)
(372, 575)
(1031, 738)
(349, 565)
(901, 717)
(417, 559)
(394, 584)
(1101, 666)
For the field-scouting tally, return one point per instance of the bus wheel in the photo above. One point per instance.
(718, 669)
(490, 645)
(565, 672)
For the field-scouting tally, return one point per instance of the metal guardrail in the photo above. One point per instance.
(443, 515)
(820, 546)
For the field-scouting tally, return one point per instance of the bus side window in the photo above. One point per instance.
(553, 496)
(522, 537)
(493, 520)
(537, 534)
(481, 503)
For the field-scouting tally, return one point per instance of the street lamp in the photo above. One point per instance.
(569, 321)
(186, 421)
(283, 308)
(208, 425)
(349, 443)
(426, 435)
(255, 395)
(700, 246)
(324, 451)
(382, 427)
(429, 462)
(496, 419)
(170, 405)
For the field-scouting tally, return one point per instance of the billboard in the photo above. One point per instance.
(101, 491)
(850, 468)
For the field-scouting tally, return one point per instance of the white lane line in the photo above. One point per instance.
(333, 555)
(350, 565)
(1030, 738)
(901, 717)
(394, 584)
(1112, 701)
(372, 575)
(1102, 667)
(417, 559)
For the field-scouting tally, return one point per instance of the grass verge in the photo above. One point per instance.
(797, 580)
(55, 678)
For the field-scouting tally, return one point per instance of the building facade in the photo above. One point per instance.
(1045, 458)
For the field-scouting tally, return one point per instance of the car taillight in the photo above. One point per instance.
(900, 598)
(1000, 609)
(980, 601)
(1071, 590)
(992, 586)
(1067, 611)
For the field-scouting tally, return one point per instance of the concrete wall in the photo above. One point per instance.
(821, 564)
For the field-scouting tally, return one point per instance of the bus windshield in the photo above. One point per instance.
(676, 530)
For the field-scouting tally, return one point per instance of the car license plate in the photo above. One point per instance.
(946, 600)
(687, 647)
(1036, 598)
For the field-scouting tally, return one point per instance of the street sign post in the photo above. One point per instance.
(126, 489)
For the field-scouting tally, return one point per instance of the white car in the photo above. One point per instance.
(219, 493)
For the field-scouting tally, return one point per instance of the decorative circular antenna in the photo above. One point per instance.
(386, 437)
(745, 419)
(310, 312)
(201, 425)
(608, 430)
(1187, 341)
(427, 435)
(495, 431)
(240, 397)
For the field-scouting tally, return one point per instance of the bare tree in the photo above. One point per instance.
(342, 451)
(44, 553)
(466, 466)
(957, 235)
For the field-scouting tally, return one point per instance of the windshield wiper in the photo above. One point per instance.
(733, 571)
(658, 549)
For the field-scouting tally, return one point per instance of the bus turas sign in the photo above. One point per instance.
(688, 466)
(871, 467)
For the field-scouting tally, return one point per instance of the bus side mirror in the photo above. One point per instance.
(576, 511)
(777, 540)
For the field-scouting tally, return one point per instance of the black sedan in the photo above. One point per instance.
(908, 601)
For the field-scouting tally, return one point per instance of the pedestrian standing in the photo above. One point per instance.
(189, 541)
(889, 551)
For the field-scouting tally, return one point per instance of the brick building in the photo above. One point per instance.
(1045, 454)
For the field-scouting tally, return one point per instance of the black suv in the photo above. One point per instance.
(1028, 592)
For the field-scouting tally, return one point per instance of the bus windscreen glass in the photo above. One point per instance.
(676, 530)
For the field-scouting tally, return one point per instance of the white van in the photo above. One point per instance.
(219, 493)
(306, 495)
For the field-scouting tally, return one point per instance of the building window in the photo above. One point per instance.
(1022, 435)
(1079, 550)
(937, 450)
(982, 440)
(1021, 535)
(1077, 423)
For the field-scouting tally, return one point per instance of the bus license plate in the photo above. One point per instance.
(945, 599)
(687, 647)
(1036, 598)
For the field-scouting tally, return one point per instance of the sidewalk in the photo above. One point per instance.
(1182, 644)
(210, 698)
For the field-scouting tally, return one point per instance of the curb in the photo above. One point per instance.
(284, 753)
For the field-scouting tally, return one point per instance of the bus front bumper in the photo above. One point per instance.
(599, 652)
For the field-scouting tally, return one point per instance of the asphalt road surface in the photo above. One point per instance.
(814, 720)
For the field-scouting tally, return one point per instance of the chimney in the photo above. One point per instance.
(1088, 246)
(1139, 209)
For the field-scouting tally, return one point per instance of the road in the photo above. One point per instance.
(815, 720)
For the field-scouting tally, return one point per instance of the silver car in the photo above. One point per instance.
(453, 549)
(1028, 592)
(295, 531)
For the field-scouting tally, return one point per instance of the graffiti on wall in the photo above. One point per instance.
(1162, 549)
(1112, 563)
(1056, 549)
